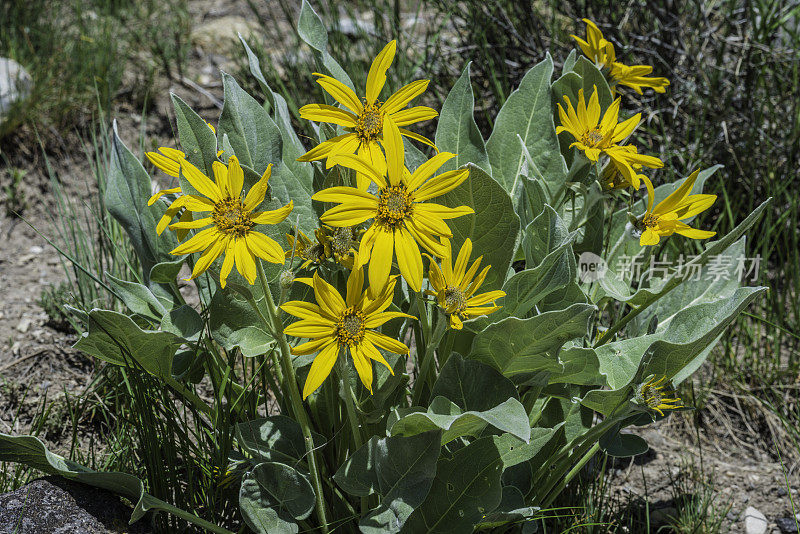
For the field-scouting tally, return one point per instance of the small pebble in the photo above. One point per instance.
(36, 249)
(23, 325)
(788, 525)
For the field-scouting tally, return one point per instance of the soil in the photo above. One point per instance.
(38, 363)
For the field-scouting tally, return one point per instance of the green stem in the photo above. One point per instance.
(428, 359)
(187, 394)
(567, 479)
(298, 409)
(355, 423)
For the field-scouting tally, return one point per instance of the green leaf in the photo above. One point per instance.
(466, 487)
(252, 133)
(399, 469)
(586, 76)
(667, 352)
(29, 451)
(515, 346)
(509, 416)
(528, 112)
(514, 451)
(272, 495)
(311, 29)
(116, 339)
(457, 131)
(138, 298)
(183, 321)
(126, 196)
(493, 228)
(198, 141)
(511, 509)
(472, 385)
(166, 272)
(580, 366)
(622, 445)
(277, 438)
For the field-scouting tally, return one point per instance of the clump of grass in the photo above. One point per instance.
(13, 196)
(77, 53)
(52, 300)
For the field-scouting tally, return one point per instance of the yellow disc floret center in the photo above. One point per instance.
(592, 138)
(350, 328)
(232, 218)
(394, 205)
(369, 123)
(454, 301)
(650, 221)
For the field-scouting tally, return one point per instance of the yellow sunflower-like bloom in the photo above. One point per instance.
(316, 252)
(401, 217)
(455, 286)
(231, 221)
(363, 118)
(334, 324)
(594, 134)
(650, 394)
(665, 218)
(601, 51)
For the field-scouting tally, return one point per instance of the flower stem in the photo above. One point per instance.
(428, 360)
(355, 423)
(296, 401)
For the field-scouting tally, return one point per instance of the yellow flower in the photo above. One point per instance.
(600, 51)
(664, 219)
(363, 119)
(455, 286)
(315, 253)
(334, 324)
(401, 217)
(593, 135)
(650, 394)
(231, 221)
(627, 162)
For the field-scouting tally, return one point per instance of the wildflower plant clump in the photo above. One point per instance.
(408, 341)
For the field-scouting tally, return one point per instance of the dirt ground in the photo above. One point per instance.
(37, 362)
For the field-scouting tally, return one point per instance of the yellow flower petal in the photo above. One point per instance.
(310, 347)
(330, 114)
(198, 242)
(381, 260)
(363, 366)
(376, 78)
(320, 369)
(200, 181)
(265, 247)
(426, 170)
(273, 216)
(372, 353)
(347, 195)
(245, 263)
(359, 164)
(311, 328)
(207, 258)
(340, 92)
(227, 263)
(385, 342)
(155, 197)
(257, 193)
(404, 95)
(235, 177)
(409, 259)
(439, 185)
(327, 297)
(377, 319)
(413, 115)
(322, 150)
(395, 152)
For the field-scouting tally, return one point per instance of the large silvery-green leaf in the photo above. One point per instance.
(466, 487)
(399, 469)
(116, 339)
(457, 131)
(251, 132)
(276, 438)
(586, 76)
(313, 32)
(548, 255)
(509, 416)
(139, 299)
(126, 196)
(198, 141)
(29, 451)
(493, 228)
(665, 353)
(528, 112)
(516, 346)
(272, 496)
(472, 385)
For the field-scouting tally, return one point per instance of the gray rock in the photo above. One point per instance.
(788, 525)
(15, 84)
(53, 505)
(754, 521)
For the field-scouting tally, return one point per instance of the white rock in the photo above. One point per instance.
(15, 84)
(36, 249)
(23, 325)
(754, 521)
